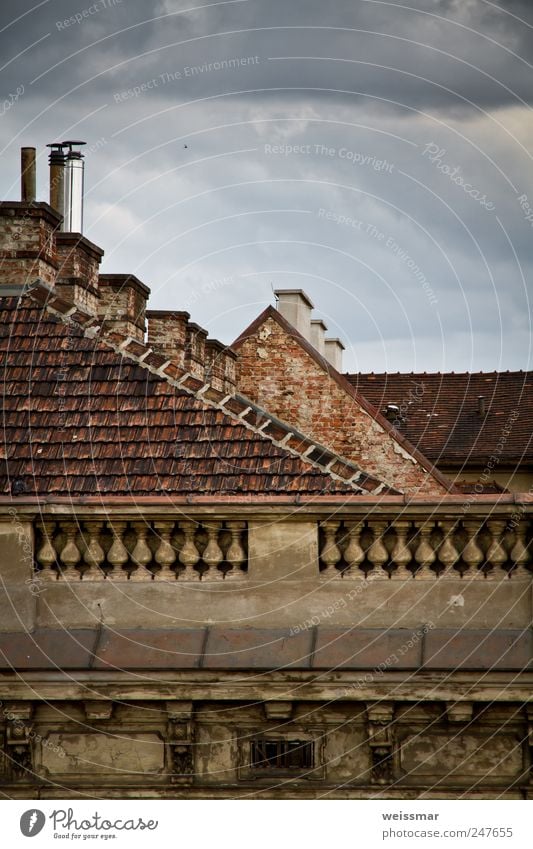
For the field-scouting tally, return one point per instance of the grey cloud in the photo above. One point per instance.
(177, 217)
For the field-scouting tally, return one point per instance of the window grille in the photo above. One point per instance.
(268, 754)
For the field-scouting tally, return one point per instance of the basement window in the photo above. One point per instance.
(269, 754)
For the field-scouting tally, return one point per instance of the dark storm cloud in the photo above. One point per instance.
(442, 53)
(287, 110)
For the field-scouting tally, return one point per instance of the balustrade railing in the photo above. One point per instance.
(425, 549)
(214, 550)
(117, 550)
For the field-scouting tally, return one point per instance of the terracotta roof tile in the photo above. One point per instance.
(80, 419)
(442, 418)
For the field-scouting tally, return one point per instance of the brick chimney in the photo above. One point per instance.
(220, 366)
(195, 350)
(296, 307)
(77, 277)
(27, 234)
(122, 304)
(333, 352)
(171, 333)
(27, 243)
(167, 333)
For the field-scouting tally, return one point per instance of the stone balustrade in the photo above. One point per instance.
(420, 548)
(116, 550)
(425, 549)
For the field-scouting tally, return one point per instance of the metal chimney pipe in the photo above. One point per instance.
(27, 174)
(74, 168)
(57, 177)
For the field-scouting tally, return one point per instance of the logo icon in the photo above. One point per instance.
(32, 822)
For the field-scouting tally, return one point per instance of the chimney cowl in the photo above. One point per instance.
(56, 161)
(74, 179)
(66, 183)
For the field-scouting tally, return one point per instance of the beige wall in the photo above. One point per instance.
(283, 587)
(128, 754)
(511, 478)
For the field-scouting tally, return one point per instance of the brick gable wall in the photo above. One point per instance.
(277, 372)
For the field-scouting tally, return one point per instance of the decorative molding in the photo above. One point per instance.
(380, 717)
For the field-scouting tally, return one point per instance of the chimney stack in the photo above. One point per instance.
(122, 304)
(195, 350)
(167, 332)
(57, 177)
(77, 275)
(27, 175)
(318, 331)
(333, 352)
(27, 235)
(296, 307)
(74, 168)
(220, 366)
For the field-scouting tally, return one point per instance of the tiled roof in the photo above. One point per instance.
(80, 419)
(441, 413)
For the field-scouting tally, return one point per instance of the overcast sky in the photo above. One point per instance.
(377, 154)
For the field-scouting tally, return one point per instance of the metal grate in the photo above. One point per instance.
(281, 754)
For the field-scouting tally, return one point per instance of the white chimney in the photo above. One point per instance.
(318, 331)
(296, 306)
(334, 349)
(73, 188)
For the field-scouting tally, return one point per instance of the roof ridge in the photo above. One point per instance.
(236, 406)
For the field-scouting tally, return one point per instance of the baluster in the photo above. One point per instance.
(165, 554)
(401, 553)
(141, 554)
(189, 554)
(117, 556)
(93, 555)
(212, 555)
(46, 556)
(520, 554)
(70, 555)
(377, 554)
(424, 553)
(235, 554)
(448, 554)
(353, 553)
(496, 553)
(331, 553)
(472, 553)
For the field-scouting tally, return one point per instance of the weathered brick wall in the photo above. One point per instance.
(276, 372)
